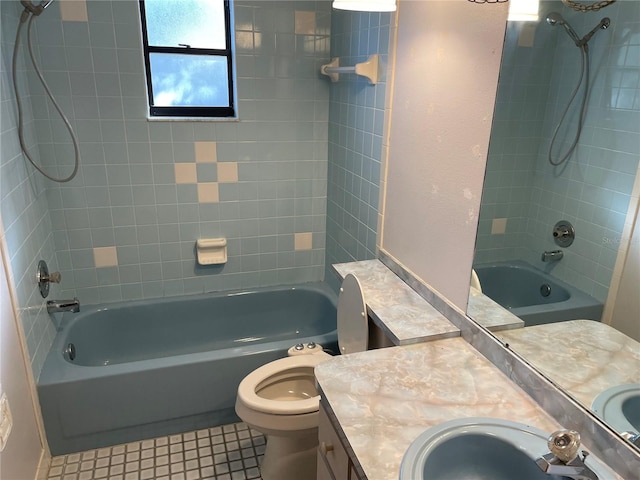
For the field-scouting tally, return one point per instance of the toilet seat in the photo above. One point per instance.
(276, 371)
(353, 324)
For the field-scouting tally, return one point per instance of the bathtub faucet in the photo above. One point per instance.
(552, 256)
(54, 306)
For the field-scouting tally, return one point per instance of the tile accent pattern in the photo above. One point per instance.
(229, 452)
(152, 188)
(127, 195)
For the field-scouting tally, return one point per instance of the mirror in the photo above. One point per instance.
(539, 189)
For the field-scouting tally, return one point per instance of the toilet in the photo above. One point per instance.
(280, 399)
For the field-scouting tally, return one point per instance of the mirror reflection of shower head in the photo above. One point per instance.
(554, 18)
(603, 25)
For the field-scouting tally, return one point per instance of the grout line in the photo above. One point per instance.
(228, 452)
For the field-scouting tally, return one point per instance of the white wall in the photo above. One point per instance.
(447, 64)
(626, 309)
(20, 458)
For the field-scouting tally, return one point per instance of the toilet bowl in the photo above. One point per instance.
(280, 398)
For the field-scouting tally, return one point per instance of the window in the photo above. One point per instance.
(188, 58)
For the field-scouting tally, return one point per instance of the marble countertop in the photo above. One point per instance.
(489, 314)
(583, 357)
(383, 399)
(403, 315)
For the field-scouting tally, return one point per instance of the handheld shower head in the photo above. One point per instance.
(554, 18)
(603, 25)
(35, 9)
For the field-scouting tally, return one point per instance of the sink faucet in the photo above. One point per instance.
(564, 460)
(575, 469)
(632, 437)
(54, 306)
(552, 256)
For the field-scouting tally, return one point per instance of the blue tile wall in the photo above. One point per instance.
(26, 226)
(356, 123)
(142, 188)
(266, 185)
(593, 189)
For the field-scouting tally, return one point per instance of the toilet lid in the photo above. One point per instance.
(353, 331)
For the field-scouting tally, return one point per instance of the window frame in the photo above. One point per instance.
(190, 111)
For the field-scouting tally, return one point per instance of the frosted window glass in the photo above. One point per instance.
(197, 23)
(189, 80)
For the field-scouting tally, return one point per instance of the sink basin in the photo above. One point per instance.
(481, 449)
(620, 407)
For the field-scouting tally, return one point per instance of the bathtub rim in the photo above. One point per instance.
(56, 369)
(578, 298)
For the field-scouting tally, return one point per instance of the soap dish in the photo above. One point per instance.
(211, 251)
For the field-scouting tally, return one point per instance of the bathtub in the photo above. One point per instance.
(535, 296)
(149, 368)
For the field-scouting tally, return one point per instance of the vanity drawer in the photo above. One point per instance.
(330, 450)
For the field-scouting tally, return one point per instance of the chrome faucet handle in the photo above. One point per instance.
(564, 444)
(44, 278)
(54, 277)
(563, 233)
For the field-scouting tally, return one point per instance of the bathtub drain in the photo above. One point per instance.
(70, 352)
(545, 290)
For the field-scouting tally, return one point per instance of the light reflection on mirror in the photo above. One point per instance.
(596, 189)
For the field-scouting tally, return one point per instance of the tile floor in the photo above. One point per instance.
(229, 452)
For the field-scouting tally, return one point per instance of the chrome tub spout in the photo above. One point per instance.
(552, 256)
(54, 306)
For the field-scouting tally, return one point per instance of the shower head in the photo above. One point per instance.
(35, 9)
(554, 18)
(603, 25)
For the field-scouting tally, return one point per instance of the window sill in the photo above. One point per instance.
(192, 119)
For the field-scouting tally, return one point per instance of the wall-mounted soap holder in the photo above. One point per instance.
(368, 69)
(211, 251)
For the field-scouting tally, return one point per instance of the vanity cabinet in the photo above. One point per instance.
(333, 461)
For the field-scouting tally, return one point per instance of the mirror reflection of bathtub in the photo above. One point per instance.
(533, 295)
(524, 196)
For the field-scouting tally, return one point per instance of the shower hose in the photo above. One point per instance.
(584, 76)
(51, 97)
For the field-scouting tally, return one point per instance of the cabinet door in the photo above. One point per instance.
(330, 449)
(323, 470)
